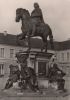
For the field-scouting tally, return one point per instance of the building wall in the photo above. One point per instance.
(63, 56)
(7, 58)
(63, 59)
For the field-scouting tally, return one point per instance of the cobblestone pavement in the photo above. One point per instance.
(48, 95)
(34, 98)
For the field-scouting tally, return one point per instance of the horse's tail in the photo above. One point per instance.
(51, 39)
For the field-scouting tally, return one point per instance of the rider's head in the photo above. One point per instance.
(36, 5)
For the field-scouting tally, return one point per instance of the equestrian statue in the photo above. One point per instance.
(34, 25)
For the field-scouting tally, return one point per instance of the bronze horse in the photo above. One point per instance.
(43, 30)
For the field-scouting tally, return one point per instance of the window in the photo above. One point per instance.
(42, 69)
(2, 52)
(67, 56)
(11, 53)
(62, 56)
(1, 69)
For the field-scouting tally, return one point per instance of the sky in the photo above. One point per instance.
(56, 13)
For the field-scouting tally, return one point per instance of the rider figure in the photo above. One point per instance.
(37, 17)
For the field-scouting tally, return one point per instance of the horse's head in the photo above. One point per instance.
(18, 14)
(22, 14)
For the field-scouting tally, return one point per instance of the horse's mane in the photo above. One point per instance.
(24, 10)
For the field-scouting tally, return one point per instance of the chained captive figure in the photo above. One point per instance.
(37, 17)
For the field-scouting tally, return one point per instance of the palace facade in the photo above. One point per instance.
(63, 55)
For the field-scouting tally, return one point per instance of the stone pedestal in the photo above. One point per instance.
(38, 61)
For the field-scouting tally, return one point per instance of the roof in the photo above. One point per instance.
(64, 45)
(10, 39)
